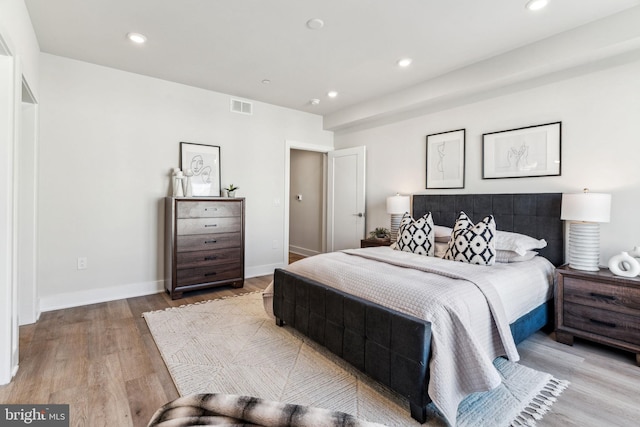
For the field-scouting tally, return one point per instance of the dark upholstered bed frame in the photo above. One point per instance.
(394, 348)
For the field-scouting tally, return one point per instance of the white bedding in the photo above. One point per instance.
(469, 316)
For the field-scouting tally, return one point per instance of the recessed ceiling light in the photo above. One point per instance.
(266, 81)
(314, 101)
(332, 94)
(136, 38)
(536, 4)
(315, 24)
(404, 62)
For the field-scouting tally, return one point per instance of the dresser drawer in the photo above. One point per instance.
(207, 258)
(607, 323)
(188, 209)
(205, 242)
(618, 298)
(208, 225)
(203, 275)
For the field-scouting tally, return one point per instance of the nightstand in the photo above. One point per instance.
(598, 306)
(368, 243)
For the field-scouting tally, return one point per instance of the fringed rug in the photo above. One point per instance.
(232, 346)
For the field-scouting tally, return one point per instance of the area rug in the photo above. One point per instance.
(232, 346)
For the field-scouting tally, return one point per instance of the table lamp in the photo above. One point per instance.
(585, 211)
(397, 206)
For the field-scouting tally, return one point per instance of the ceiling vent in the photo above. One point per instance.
(241, 107)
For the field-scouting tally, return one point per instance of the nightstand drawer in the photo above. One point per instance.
(618, 298)
(602, 322)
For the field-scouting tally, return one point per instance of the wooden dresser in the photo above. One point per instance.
(598, 306)
(204, 243)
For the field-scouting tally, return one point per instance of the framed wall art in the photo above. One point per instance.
(445, 159)
(525, 152)
(204, 162)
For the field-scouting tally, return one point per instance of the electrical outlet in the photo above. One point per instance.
(82, 263)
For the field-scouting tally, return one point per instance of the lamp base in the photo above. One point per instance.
(584, 246)
(395, 225)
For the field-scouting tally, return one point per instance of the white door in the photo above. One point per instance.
(346, 198)
(8, 274)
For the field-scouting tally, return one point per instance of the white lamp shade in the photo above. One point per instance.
(398, 204)
(587, 207)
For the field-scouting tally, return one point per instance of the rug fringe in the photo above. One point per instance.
(201, 302)
(540, 404)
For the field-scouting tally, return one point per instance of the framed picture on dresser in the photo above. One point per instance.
(445, 159)
(203, 161)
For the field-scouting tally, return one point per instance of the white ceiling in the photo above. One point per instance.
(230, 46)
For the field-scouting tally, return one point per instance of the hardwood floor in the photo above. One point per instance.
(102, 361)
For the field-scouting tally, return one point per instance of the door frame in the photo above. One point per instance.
(296, 145)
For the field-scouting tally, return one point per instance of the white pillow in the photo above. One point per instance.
(442, 233)
(441, 249)
(416, 236)
(473, 244)
(519, 243)
(511, 256)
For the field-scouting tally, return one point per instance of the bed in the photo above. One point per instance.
(393, 343)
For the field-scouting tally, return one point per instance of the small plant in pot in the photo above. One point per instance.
(231, 190)
(380, 233)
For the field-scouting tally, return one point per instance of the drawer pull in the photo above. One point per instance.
(210, 258)
(609, 297)
(601, 323)
(210, 209)
(210, 225)
(210, 241)
(209, 274)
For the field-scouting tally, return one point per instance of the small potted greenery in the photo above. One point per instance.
(231, 190)
(380, 233)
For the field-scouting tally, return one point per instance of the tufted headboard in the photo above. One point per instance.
(534, 214)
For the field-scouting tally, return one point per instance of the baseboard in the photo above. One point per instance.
(94, 296)
(302, 251)
(262, 270)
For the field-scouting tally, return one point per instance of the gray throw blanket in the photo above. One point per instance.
(234, 410)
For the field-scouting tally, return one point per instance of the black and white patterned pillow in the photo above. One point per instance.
(416, 236)
(473, 244)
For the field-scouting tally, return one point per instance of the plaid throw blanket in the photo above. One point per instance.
(228, 410)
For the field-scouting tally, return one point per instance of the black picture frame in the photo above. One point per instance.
(204, 162)
(445, 159)
(526, 152)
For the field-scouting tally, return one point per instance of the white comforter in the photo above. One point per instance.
(463, 302)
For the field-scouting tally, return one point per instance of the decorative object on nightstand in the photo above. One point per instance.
(396, 206)
(625, 264)
(598, 306)
(585, 211)
(178, 190)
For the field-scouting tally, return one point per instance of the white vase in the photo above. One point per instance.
(624, 265)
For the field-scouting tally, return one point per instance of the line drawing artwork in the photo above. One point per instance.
(200, 170)
(521, 152)
(448, 159)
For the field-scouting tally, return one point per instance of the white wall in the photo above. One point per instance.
(306, 215)
(108, 142)
(600, 147)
